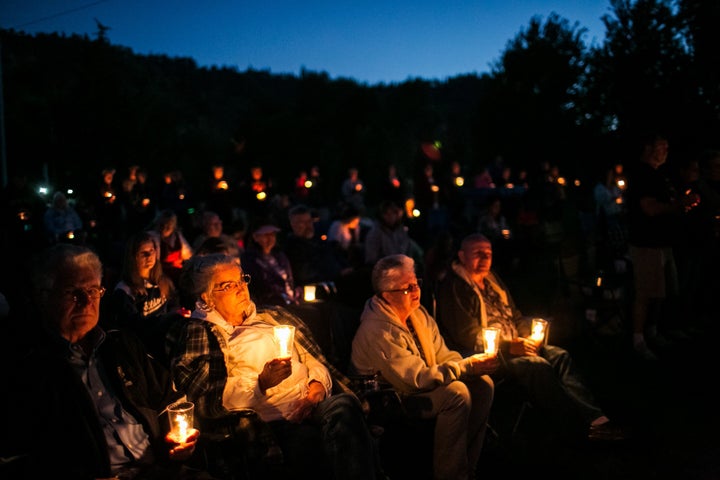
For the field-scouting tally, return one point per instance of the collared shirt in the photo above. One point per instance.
(248, 347)
(125, 436)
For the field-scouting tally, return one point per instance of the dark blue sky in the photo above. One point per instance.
(371, 41)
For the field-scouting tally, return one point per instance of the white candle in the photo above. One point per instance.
(181, 420)
(538, 329)
(284, 335)
(309, 293)
(490, 340)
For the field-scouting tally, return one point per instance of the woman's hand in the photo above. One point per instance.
(483, 364)
(180, 452)
(274, 372)
(303, 408)
(521, 347)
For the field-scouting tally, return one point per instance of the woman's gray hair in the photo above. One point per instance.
(198, 271)
(388, 270)
(56, 260)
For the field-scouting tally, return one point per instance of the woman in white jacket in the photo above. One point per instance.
(398, 338)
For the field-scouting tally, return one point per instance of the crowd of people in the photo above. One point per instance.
(138, 300)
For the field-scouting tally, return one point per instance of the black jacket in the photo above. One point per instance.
(49, 420)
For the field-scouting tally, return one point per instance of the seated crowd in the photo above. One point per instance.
(196, 323)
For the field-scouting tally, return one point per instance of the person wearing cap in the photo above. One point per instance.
(269, 266)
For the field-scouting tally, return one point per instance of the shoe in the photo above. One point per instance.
(643, 352)
(678, 335)
(658, 341)
(606, 432)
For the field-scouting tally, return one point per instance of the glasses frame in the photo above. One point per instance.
(73, 294)
(233, 286)
(410, 288)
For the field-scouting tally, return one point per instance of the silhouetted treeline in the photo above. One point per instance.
(75, 105)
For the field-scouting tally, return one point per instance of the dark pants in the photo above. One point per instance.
(333, 443)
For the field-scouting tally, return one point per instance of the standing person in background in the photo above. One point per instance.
(109, 220)
(654, 210)
(611, 234)
(219, 194)
(393, 187)
(62, 223)
(174, 248)
(352, 190)
(143, 203)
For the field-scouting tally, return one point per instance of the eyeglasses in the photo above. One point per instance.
(413, 287)
(146, 253)
(78, 295)
(233, 286)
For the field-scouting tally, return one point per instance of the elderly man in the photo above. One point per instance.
(472, 297)
(79, 401)
(398, 338)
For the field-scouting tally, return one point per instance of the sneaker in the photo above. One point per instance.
(677, 335)
(658, 341)
(643, 352)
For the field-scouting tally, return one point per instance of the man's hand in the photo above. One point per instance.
(521, 347)
(180, 452)
(274, 372)
(303, 408)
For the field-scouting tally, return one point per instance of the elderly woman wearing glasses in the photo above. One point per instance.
(227, 359)
(398, 338)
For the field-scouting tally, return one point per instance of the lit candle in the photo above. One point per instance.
(181, 420)
(538, 329)
(284, 335)
(182, 424)
(490, 340)
(309, 293)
